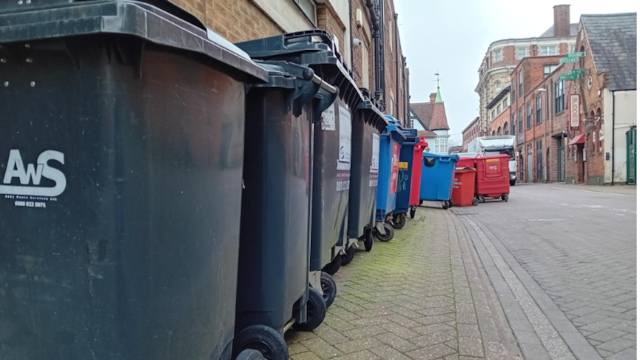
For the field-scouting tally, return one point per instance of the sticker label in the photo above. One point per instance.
(344, 155)
(403, 165)
(30, 193)
(329, 119)
(375, 153)
(395, 159)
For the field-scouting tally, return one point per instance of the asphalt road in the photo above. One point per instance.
(562, 260)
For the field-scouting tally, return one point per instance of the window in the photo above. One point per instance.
(493, 113)
(548, 69)
(499, 109)
(571, 48)
(538, 109)
(559, 96)
(391, 34)
(441, 146)
(497, 55)
(505, 128)
(547, 50)
(520, 81)
(365, 66)
(513, 124)
(521, 52)
(513, 89)
(505, 103)
(499, 131)
(308, 7)
(528, 116)
(520, 122)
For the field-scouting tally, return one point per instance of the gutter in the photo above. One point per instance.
(395, 18)
(613, 138)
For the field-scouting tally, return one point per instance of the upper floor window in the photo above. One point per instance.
(493, 113)
(513, 89)
(571, 48)
(548, 69)
(308, 7)
(559, 92)
(513, 124)
(529, 112)
(520, 121)
(547, 50)
(538, 109)
(521, 52)
(497, 55)
(520, 81)
(505, 103)
(499, 109)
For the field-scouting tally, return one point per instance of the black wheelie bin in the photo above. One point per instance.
(121, 147)
(331, 146)
(368, 124)
(273, 281)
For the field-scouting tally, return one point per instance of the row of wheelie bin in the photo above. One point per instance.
(170, 195)
(480, 178)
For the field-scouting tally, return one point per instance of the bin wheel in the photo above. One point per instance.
(269, 342)
(316, 311)
(445, 204)
(389, 233)
(250, 355)
(399, 221)
(420, 203)
(347, 258)
(412, 213)
(329, 288)
(505, 197)
(333, 267)
(368, 240)
(475, 202)
(481, 199)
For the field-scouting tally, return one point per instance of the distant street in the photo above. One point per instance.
(562, 260)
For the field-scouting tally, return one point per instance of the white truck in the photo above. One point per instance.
(495, 145)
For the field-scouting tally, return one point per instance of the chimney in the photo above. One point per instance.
(432, 98)
(561, 21)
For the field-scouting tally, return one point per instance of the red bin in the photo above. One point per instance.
(464, 184)
(493, 177)
(466, 162)
(416, 175)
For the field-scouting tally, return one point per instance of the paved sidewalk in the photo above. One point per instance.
(608, 189)
(421, 296)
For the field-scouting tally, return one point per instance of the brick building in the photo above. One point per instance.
(365, 31)
(472, 131)
(500, 113)
(502, 57)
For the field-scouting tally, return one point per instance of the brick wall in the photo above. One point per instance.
(366, 49)
(329, 20)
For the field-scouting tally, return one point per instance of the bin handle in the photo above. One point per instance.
(445, 159)
(324, 85)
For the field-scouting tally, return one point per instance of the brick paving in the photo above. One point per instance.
(421, 296)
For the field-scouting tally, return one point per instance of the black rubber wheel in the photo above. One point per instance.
(333, 267)
(347, 258)
(481, 199)
(505, 197)
(316, 311)
(445, 204)
(450, 203)
(420, 203)
(512, 183)
(368, 240)
(475, 202)
(412, 213)
(250, 355)
(269, 342)
(386, 238)
(329, 288)
(399, 221)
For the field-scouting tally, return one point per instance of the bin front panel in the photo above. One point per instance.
(331, 178)
(274, 241)
(384, 195)
(437, 177)
(416, 172)
(405, 176)
(463, 187)
(493, 175)
(120, 214)
(365, 155)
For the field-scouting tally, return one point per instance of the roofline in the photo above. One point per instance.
(612, 14)
(417, 116)
(499, 97)
(477, 118)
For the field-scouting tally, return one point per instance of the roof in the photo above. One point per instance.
(439, 117)
(499, 97)
(613, 42)
(427, 134)
(438, 96)
(424, 111)
(549, 33)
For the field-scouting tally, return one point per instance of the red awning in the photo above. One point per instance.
(577, 140)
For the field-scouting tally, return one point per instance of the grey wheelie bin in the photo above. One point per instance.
(368, 124)
(122, 182)
(273, 279)
(331, 150)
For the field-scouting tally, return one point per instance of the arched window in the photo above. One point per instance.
(499, 131)
(599, 123)
(582, 58)
(506, 128)
(493, 133)
(593, 133)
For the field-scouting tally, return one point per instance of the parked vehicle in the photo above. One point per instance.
(496, 145)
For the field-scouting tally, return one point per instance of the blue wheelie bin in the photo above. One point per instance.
(120, 211)
(331, 146)
(273, 278)
(368, 123)
(436, 183)
(390, 142)
(405, 171)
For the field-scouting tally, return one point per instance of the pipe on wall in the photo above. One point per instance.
(613, 138)
(395, 27)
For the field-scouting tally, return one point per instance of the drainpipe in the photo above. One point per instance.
(351, 32)
(375, 21)
(613, 138)
(395, 26)
(383, 77)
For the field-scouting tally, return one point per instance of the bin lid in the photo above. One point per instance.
(445, 157)
(394, 130)
(167, 25)
(314, 48)
(372, 115)
(410, 135)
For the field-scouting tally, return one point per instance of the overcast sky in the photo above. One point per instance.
(451, 37)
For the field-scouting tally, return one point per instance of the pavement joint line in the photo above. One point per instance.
(553, 343)
(592, 191)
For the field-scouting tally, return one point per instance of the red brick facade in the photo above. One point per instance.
(472, 131)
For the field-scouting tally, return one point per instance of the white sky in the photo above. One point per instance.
(452, 36)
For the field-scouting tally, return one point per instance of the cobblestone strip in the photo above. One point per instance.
(416, 297)
(553, 343)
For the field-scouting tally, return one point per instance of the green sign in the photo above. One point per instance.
(577, 71)
(569, 77)
(569, 60)
(578, 54)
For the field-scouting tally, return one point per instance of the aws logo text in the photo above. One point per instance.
(31, 176)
